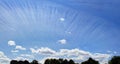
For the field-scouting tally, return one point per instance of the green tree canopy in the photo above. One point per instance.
(71, 61)
(115, 60)
(13, 62)
(90, 61)
(34, 62)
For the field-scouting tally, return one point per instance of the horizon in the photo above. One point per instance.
(71, 29)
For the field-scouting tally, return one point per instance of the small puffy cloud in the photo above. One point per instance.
(14, 51)
(43, 50)
(18, 47)
(62, 41)
(3, 58)
(11, 43)
(62, 19)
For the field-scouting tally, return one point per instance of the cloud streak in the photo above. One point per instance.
(43, 51)
(18, 47)
(62, 41)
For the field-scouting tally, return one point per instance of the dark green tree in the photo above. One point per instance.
(20, 62)
(47, 61)
(26, 62)
(60, 60)
(34, 62)
(90, 61)
(71, 61)
(13, 62)
(65, 62)
(115, 60)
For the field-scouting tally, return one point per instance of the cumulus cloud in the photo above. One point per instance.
(18, 47)
(76, 54)
(3, 58)
(11, 43)
(43, 50)
(62, 41)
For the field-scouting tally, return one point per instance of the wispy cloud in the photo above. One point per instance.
(18, 47)
(43, 51)
(14, 51)
(27, 55)
(62, 41)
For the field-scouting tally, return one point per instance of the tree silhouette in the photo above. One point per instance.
(71, 61)
(115, 60)
(20, 62)
(65, 61)
(34, 62)
(58, 61)
(47, 61)
(90, 61)
(13, 62)
(26, 62)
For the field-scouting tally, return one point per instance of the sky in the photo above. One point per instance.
(71, 29)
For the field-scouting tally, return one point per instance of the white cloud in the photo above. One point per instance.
(14, 50)
(3, 58)
(62, 41)
(33, 50)
(11, 43)
(24, 57)
(62, 19)
(18, 47)
(76, 54)
(102, 58)
(27, 55)
(43, 50)
(21, 58)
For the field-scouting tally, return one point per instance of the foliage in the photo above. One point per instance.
(58, 61)
(23, 62)
(34, 62)
(115, 60)
(90, 61)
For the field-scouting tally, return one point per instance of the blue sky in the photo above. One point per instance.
(41, 28)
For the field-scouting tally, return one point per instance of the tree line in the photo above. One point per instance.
(114, 60)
